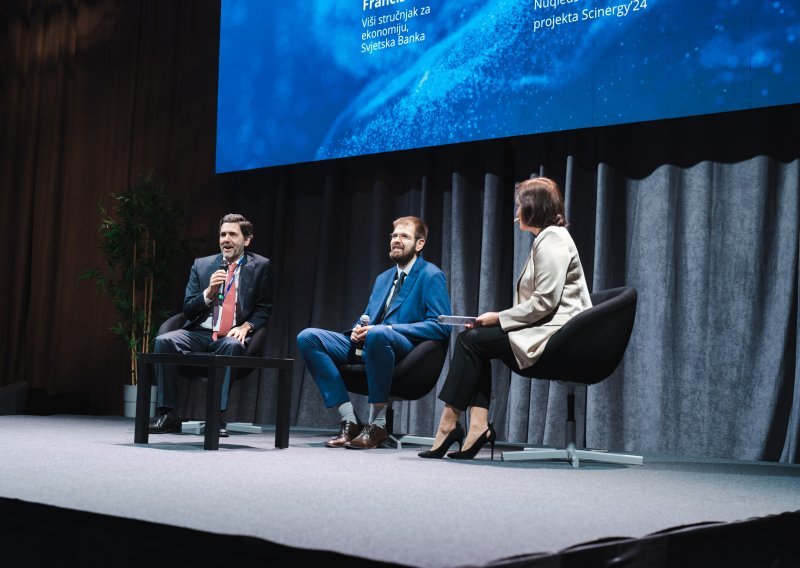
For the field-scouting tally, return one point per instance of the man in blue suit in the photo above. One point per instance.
(223, 307)
(403, 310)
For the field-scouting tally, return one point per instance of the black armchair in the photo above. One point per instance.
(414, 377)
(584, 352)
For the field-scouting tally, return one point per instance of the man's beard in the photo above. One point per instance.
(401, 256)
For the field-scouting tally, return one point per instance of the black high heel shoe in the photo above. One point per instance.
(488, 436)
(456, 435)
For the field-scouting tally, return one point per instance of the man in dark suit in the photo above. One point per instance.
(228, 296)
(404, 307)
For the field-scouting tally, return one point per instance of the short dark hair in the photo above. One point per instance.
(420, 228)
(540, 203)
(244, 225)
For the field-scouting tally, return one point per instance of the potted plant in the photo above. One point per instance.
(140, 240)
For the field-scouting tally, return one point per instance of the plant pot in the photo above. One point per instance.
(129, 401)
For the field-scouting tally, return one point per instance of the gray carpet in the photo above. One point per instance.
(383, 504)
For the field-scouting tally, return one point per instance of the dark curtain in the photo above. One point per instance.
(699, 214)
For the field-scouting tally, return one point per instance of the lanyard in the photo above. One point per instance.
(233, 279)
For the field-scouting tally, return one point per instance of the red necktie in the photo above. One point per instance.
(228, 305)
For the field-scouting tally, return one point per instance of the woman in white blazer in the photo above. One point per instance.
(550, 291)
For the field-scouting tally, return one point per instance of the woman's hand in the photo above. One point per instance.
(489, 319)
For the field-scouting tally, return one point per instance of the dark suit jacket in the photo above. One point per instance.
(422, 299)
(254, 299)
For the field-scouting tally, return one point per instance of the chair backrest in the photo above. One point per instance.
(590, 346)
(171, 324)
(414, 377)
(255, 347)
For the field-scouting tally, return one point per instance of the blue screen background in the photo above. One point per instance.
(295, 85)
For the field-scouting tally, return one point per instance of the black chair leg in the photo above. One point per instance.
(585, 412)
(570, 453)
(569, 433)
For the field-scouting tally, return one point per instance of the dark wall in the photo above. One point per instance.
(93, 93)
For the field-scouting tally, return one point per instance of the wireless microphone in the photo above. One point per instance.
(364, 321)
(222, 266)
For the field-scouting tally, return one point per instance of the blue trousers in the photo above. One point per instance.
(324, 351)
(190, 341)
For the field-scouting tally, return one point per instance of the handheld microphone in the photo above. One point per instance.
(364, 321)
(222, 266)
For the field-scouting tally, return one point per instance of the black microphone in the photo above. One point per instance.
(364, 321)
(222, 266)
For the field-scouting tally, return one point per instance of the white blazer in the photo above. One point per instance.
(550, 291)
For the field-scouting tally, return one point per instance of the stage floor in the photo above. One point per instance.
(385, 504)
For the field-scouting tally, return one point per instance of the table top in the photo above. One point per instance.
(214, 360)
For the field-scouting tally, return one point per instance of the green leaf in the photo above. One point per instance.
(139, 236)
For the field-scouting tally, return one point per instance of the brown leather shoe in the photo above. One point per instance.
(371, 437)
(347, 431)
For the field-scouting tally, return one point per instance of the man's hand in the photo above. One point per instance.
(217, 279)
(359, 333)
(240, 332)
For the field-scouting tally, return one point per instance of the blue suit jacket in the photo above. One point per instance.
(254, 298)
(422, 299)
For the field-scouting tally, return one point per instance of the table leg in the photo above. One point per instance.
(142, 419)
(213, 401)
(283, 403)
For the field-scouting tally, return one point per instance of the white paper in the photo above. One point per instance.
(456, 320)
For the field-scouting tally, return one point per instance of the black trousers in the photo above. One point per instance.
(469, 380)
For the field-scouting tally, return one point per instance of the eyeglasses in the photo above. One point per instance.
(401, 236)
